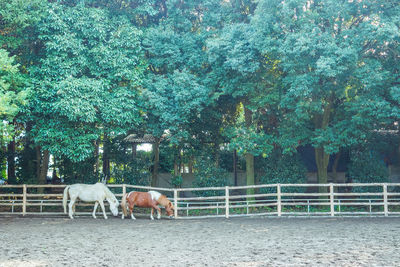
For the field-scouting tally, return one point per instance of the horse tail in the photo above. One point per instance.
(65, 198)
(123, 204)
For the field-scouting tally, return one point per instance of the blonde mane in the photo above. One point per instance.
(163, 201)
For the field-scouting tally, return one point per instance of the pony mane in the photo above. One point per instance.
(163, 200)
(108, 192)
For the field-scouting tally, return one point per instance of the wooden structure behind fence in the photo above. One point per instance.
(355, 199)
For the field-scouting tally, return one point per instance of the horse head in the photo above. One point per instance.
(113, 201)
(114, 206)
(169, 208)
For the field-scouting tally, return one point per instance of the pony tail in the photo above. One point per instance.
(123, 205)
(65, 198)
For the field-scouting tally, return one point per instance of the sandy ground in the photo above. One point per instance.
(208, 242)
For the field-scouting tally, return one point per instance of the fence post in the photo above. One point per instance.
(370, 207)
(24, 200)
(227, 202)
(385, 200)
(279, 202)
(332, 200)
(176, 203)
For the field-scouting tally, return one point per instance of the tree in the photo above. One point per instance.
(239, 71)
(330, 54)
(19, 37)
(13, 95)
(88, 81)
(175, 90)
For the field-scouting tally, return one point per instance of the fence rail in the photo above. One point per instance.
(355, 199)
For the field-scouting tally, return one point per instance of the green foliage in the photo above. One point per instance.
(207, 175)
(81, 172)
(367, 166)
(249, 140)
(281, 168)
(175, 99)
(128, 169)
(177, 181)
(325, 60)
(13, 94)
(324, 73)
(18, 19)
(136, 172)
(88, 80)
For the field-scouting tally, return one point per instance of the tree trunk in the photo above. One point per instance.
(249, 172)
(156, 151)
(322, 160)
(249, 157)
(38, 161)
(190, 165)
(106, 160)
(335, 165)
(11, 177)
(134, 151)
(217, 154)
(43, 170)
(27, 161)
(176, 168)
(176, 158)
(180, 169)
(96, 158)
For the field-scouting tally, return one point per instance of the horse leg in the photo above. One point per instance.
(158, 212)
(102, 207)
(70, 205)
(154, 206)
(95, 209)
(151, 214)
(73, 209)
(131, 211)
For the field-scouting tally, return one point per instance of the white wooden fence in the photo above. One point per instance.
(376, 199)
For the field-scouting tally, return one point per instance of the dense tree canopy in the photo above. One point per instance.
(203, 78)
(88, 79)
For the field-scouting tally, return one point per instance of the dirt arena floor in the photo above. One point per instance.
(207, 242)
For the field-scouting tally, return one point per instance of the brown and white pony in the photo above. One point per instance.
(149, 199)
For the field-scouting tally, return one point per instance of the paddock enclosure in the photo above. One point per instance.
(286, 225)
(252, 241)
(350, 199)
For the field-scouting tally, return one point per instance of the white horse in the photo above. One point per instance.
(89, 193)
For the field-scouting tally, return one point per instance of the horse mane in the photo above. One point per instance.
(108, 192)
(163, 200)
